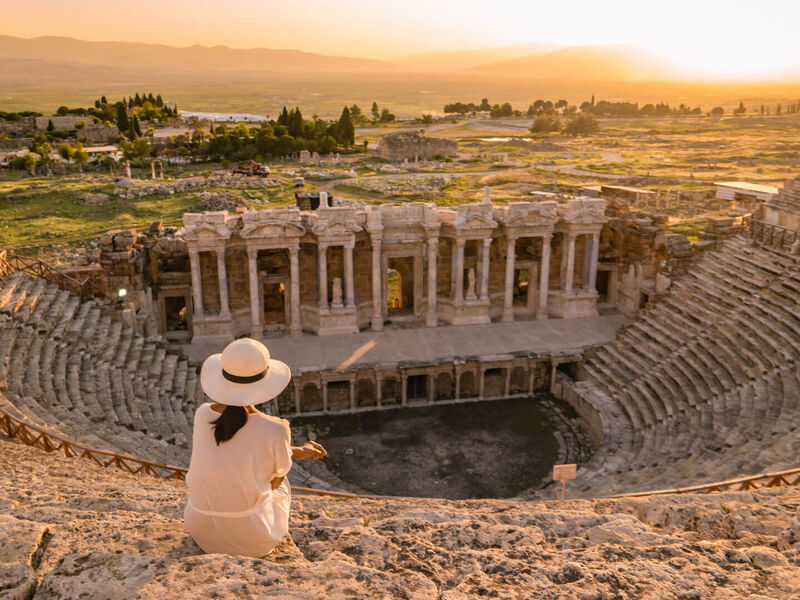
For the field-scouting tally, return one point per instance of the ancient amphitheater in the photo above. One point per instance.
(700, 384)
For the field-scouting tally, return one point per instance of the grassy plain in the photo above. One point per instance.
(659, 154)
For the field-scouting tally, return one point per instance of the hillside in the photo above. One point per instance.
(467, 59)
(73, 530)
(159, 57)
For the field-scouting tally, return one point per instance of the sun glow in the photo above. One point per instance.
(713, 38)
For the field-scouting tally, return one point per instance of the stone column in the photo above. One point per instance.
(544, 277)
(353, 393)
(197, 282)
(457, 383)
(593, 264)
(294, 276)
(324, 396)
(569, 276)
(256, 329)
(481, 383)
(487, 248)
(418, 308)
(349, 282)
(403, 389)
(459, 258)
(378, 387)
(377, 285)
(429, 391)
(222, 275)
(508, 300)
(508, 382)
(531, 377)
(322, 267)
(297, 391)
(433, 257)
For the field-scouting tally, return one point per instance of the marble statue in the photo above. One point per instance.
(337, 291)
(471, 284)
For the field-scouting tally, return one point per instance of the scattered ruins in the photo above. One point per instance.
(412, 145)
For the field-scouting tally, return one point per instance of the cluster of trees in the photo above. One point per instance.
(130, 113)
(40, 150)
(288, 134)
(495, 110)
(17, 116)
(604, 108)
(580, 124)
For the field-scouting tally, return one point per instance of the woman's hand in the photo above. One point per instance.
(308, 450)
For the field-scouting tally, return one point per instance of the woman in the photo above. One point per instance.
(238, 492)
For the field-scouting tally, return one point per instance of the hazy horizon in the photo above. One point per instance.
(715, 39)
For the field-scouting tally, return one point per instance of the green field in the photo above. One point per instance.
(687, 154)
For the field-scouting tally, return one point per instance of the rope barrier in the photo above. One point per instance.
(37, 437)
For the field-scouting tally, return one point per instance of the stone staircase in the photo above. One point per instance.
(705, 384)
(72, 530)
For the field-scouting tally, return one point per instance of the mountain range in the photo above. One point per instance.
(527, 61)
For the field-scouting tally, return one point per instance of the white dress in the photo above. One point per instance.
(232, 508)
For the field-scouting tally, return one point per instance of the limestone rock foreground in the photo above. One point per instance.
(70, 529)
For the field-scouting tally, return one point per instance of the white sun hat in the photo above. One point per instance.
(243, 374)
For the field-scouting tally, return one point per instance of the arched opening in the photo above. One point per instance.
(310, 398)
(467, 387)
(338, 395)
(519, 383)
(286, 401)
(494, 383)
(443, 389)
(365, 393)
(390, 391)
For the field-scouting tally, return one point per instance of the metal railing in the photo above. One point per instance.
(775, 236)
(95, 284)
(32, 435)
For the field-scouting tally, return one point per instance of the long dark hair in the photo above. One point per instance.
(228, 423)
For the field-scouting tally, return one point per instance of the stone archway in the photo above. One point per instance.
(468, 387)
(365, 393)
(443, 389)
(519, 381)
(310, 398)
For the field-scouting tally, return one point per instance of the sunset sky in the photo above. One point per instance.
(715, 37)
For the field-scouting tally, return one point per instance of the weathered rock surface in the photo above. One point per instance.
(73, 530)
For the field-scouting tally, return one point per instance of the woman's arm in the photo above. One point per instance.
(308, 450)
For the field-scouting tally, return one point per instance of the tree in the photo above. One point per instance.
(103, 100)
(50, 127)
(159, 101)
(546, 124)
(741, 110)
(136, 127)
(26, 162)
(295, 123)
(585, 125)
(717, 111)
(356, 114)
(122, 118)
(65, 151)
(386, 116)
(427, 119)
(137, 149)
(376, 115)
(561, 104)
(485, 106)
(283, 119)
(79, 156)
(345, 129)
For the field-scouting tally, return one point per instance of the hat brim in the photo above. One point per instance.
(226, 392)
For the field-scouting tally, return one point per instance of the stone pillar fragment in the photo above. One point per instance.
(593, 264)
(197, 282)
(544, 278)
(349, 282)
(222, 276)
(508, 299)
(569, 276)
(256, 328)
(433, 257)
(323, 278)
(487, 247)
(459, 283)
(377, 285)
(294, 275)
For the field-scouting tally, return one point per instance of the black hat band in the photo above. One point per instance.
(248, 379)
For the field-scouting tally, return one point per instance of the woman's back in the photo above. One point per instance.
(232, 507)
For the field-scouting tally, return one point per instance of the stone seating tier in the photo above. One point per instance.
(707, 379)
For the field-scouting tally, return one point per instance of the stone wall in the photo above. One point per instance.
(412, 145)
